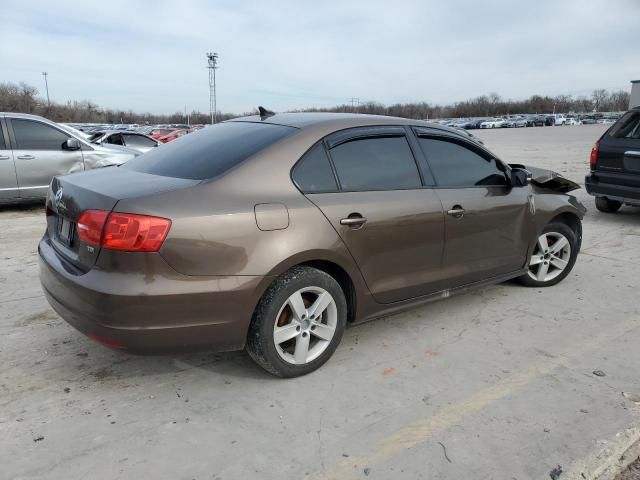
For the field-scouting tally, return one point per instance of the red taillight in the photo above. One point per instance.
(90, 226)
(127, 232)
(135, 233)
(593, 159)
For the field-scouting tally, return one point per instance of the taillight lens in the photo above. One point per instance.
(593, 158)
(90, 226)
(135, 233)
(127, 232)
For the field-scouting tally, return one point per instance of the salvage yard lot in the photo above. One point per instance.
(494, 384)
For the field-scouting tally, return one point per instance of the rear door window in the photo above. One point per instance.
(115, 139)
(375, 163)
(211, 151)
(627, 127)
(32, 135)
(313, 173)
(455, 165)
(138, 141)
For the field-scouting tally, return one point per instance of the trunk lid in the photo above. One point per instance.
(100, 189)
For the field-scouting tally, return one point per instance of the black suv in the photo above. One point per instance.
(615, 165)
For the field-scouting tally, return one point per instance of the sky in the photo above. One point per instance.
(150, 56)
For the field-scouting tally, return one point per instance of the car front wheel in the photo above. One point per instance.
(553, 257)
(298, 323)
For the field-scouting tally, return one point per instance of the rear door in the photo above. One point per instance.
(620, 146)
(8, 179)
(371, 191)
(486, 221)
(39, 155)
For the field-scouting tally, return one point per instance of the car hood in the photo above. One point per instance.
(549, 179)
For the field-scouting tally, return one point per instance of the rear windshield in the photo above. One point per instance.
(627, 127)
(209, 152)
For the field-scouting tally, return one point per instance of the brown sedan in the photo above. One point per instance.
(272, 232)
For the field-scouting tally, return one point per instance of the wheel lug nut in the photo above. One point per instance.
(304, 334)
(313, 327)
(298, 328)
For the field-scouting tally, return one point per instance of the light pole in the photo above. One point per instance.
(46, 86)
(355, 101)
(212, 65)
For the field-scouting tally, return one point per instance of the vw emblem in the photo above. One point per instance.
(58, 200)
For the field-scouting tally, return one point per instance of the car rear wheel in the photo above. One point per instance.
(298, 323)
(608, 206)
(553, 256)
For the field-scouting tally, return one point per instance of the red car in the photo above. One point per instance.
(165, 135)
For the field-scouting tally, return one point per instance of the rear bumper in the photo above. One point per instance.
(603, 187)
(151, 311)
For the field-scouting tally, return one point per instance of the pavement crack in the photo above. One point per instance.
(444, 450)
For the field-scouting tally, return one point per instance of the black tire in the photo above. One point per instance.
(260, 343)
(607, 206)
(570, 235)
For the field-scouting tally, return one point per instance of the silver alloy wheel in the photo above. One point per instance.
(550, 257)
(305, 325)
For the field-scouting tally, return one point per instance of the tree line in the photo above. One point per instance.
(492, 105)
(25, 98)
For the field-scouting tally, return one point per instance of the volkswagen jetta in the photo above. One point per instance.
(272, 232)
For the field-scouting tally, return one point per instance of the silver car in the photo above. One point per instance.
(135, 140)
(33, 150)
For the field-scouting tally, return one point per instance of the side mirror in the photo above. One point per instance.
(71, 144)
(520, 177)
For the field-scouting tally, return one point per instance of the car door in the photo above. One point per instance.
(485, 218)
(8, 179)
(39, 153)
(392, 225)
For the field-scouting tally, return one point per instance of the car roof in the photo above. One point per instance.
(338, 120)
(24, 115)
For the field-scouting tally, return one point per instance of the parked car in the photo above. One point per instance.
(559, 119)
(166, 135)
(33, 150)
(572, 121)
(536, 121)
(342, 223)
(134, 140)
(488, 123)
(499, 122)
(589, 120)
(474, 124)
(615, 165)
(515, 122)
(160, 132)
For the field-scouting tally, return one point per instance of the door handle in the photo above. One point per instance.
(456, 212)
(4, 157)
(632, 153)
(354, 220)
(26, 157)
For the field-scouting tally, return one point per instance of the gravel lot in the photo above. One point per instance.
(497, 384)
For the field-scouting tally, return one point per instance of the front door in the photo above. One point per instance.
(487, 222)
(8, 179)
(40, 155)
(390, 223)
